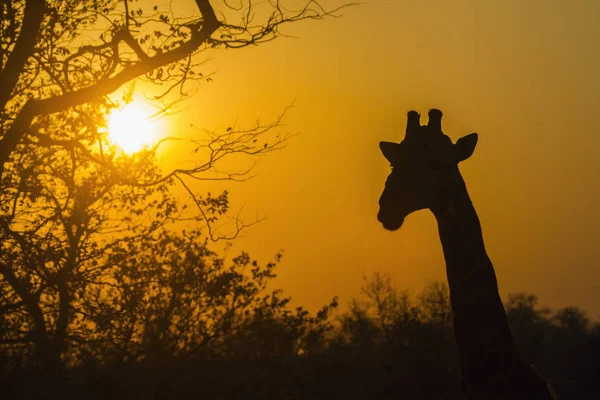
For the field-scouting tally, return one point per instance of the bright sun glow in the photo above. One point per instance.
(130, 128)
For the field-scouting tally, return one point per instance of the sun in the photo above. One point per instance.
(131, 128)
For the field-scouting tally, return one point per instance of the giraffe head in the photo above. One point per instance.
(424, 168)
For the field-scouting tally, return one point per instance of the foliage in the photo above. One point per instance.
(175, 306)
(265, 349)
(417, 359)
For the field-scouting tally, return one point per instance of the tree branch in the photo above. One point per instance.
(104, 87)
(32, 21)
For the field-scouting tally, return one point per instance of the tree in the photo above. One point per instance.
(388, 303)
(529, 326)
(390, 335)
(71, 203)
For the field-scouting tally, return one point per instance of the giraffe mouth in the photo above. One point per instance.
(393, 225)
(390, 222)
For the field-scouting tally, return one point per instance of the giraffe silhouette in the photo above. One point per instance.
(425, 175)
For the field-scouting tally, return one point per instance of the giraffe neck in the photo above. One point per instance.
(485, 344)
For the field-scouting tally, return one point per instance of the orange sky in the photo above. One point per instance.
(524, 74)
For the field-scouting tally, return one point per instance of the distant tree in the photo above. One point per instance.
(385, 301)
(388, 335)
(559, 342)
(529, 324)
(571, 358)
(358, 328)
(573, 320)
(435, 304)
(71, 204)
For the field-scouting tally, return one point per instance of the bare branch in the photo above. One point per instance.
(213, 234)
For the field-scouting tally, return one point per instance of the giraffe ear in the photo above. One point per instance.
(465, 146)
(389, 150)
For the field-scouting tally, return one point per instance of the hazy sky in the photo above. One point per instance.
(523, 74)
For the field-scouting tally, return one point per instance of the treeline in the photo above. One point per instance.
(190, 325)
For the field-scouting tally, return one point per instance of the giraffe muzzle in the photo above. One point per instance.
(390, 222)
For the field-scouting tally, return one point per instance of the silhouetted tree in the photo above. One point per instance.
(71, 204)
(395, 346)
(560, 343)
(67, 222)
(417, 357)
(386, 302)
(529, 324)
(267, 349)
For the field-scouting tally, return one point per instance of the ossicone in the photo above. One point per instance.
(435, 121)
(413, 123)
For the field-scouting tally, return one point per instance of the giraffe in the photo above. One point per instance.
(425, 175)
